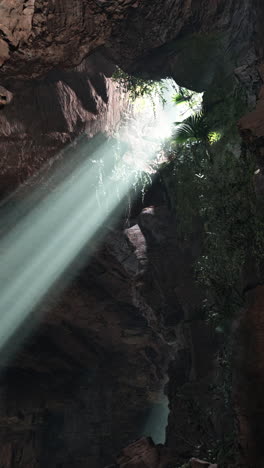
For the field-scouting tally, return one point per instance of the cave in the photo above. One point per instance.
(132, 234)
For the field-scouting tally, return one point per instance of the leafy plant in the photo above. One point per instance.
(214, 201)
(188, 101)
(138, 87)
(210, 187)
(193, 129)
(183, 95)
(217, 197)
(227, 207)
(180, 177)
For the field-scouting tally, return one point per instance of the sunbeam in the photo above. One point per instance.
(55, 228)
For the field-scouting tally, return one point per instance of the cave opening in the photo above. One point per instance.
(131, 236)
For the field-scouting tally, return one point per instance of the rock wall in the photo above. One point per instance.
(36, 35)
(249, 379)
(93, 374)
(94, 370)
(48, 114)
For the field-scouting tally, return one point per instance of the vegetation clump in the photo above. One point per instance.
(212, 191)
(139, 87)
(209, 179)
(183, 96)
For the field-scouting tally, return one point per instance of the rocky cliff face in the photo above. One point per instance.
(93, 374)
(92, 377)
(94, 371)
(249, 379)
(144, 453)
(249, 353)
(37, 36)
(48, 114)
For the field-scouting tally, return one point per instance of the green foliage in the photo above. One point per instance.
(214, 137)
(226, 203)
(217, 198)
(214, 200)
(138, 87)
(182, 185)
(187, 100)
(210, 186)
(211, 191)
(195, 128)
(183, 95)
(179, 99)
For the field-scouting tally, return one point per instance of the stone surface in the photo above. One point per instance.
(93, 372)
(37, 35)
(252, 125)
(249, 379)
(144, 454)
(47, 115)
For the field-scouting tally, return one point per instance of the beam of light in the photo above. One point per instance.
(53, 229)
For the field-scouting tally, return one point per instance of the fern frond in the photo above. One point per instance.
(194, 128)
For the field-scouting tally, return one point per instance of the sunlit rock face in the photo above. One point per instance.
(40, 35)
(46, 115)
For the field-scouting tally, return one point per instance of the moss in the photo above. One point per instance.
(138, 87)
